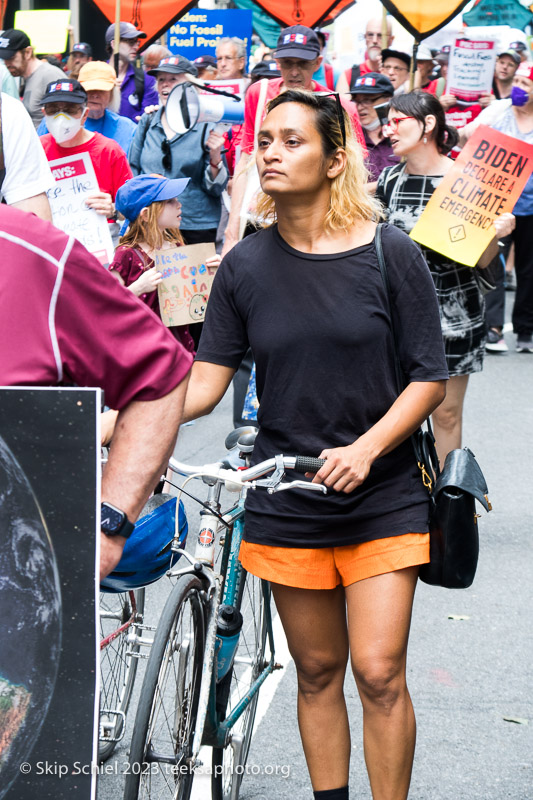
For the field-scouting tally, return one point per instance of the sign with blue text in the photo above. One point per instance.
(197, 33)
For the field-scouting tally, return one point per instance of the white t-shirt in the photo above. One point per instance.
(27, 169)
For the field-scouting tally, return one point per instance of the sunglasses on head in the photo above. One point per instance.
(340, 111)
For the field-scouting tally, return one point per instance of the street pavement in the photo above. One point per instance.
(470, 657)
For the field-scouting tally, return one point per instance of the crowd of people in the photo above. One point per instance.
(325, 176)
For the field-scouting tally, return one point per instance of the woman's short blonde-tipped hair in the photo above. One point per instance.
(350, 202)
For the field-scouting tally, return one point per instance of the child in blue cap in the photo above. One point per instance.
(152, 215)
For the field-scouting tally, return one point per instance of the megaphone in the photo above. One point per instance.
(185, 108)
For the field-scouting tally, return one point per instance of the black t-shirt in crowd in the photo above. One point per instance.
(320, 333)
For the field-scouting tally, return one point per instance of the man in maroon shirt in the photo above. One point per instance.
(67, 326)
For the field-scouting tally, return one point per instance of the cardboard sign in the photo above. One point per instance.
(198, 32)
(186, 285)
(47, 30)
(49, 538)
(486, 180)
(75, 179)
(471, 69)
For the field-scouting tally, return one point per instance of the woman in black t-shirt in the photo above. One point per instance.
(307, 295)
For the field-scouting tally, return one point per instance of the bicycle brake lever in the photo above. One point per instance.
(313, 487)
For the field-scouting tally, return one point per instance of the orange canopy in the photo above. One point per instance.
(155, 16)
(303, 12)
(421, 17)
(151, 16)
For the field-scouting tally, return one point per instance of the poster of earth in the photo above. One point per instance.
(48, 651)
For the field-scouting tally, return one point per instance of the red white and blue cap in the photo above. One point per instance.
(142, 191)
(372, 83)
(82, 47)
(67, 91)
(175, 64)
(298, 42)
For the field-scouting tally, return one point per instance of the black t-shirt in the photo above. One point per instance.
(320, 333)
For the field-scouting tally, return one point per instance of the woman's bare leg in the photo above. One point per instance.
(448, 417)
(315, 626)
(379, 616)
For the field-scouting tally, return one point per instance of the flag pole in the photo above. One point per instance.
(116, 40)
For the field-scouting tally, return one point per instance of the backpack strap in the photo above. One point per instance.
(138, 74)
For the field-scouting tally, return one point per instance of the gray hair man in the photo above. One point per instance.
(231, 58)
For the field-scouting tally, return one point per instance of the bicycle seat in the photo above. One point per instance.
(243, 437)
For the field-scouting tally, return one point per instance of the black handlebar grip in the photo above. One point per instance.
(308, 464)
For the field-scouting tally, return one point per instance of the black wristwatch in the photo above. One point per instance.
(114, 522)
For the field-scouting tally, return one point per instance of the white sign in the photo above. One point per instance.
(75, 179)
(471, 69)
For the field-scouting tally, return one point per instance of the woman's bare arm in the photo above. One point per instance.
(207, 386)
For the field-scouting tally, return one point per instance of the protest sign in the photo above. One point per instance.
(49, 519)
(186, 285)
(485, 182)
(75, 180)
(47, 30)
(471, 69)
(237, 86)
(198, 32)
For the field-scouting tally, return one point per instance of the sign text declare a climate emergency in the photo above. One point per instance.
(488, 163)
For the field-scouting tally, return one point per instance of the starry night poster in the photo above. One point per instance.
(48, 514)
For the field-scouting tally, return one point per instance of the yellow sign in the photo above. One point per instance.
(47, 30)
(486, 181)
(186, 285)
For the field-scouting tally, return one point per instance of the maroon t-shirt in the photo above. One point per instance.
(130, 263)
(65, 320)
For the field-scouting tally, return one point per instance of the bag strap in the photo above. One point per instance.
(423, 442)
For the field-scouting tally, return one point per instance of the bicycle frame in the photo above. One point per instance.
(222, 588)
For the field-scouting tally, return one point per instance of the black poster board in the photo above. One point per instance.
(49, 489)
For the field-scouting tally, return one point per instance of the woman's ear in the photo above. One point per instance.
(430, 123)
(143, 213)
(337, 164)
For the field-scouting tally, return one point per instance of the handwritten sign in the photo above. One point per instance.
(486, 180)
(471, 69)
(186, 285)
(75, 180)
(47, 30)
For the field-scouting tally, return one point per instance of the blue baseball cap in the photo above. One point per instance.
(142, 191)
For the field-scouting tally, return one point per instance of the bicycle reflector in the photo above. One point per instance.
(147, 553)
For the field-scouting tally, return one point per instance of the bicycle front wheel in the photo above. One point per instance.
(121, 616)
(229, 762)
(161, 745)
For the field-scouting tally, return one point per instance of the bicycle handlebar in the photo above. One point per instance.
(238, 478)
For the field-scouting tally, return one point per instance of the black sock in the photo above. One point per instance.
(332, 794)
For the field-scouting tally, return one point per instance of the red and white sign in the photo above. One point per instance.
(75, 180)
(471, 69)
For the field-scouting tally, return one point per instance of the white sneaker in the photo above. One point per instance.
(524, 343)
(495, 342)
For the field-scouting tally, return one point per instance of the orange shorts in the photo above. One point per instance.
(326, 567)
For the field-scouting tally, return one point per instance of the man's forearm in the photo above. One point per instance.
(143, 441)
(38, 205)
(240, 179)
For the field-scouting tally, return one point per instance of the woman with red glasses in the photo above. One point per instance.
(418, 133)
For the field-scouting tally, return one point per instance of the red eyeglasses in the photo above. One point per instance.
(392, 124)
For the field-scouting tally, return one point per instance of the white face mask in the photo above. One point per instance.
(372, 126)
(63, 127)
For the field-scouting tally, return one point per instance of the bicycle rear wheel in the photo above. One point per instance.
(166, 716)
(118, 663)
(229, 762)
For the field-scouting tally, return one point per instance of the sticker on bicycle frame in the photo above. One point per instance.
(206, 537)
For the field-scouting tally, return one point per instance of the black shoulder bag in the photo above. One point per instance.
(453, 529)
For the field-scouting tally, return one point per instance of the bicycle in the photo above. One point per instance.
(194, 693)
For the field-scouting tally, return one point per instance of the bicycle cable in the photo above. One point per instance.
(216, 514)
